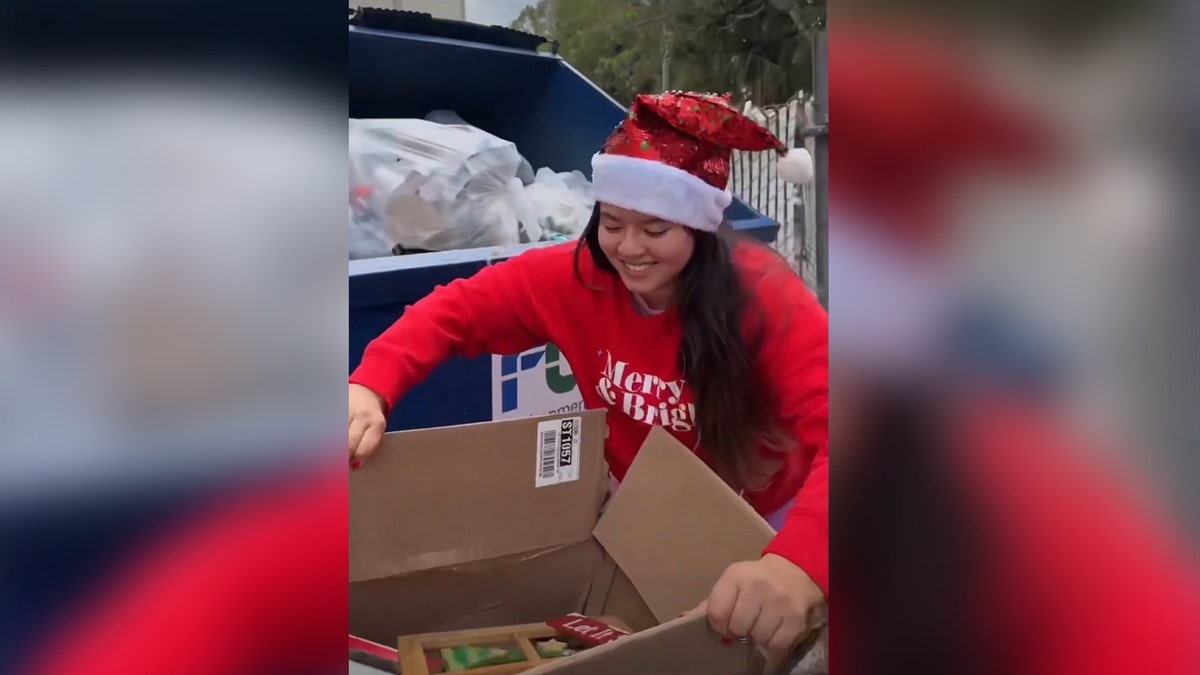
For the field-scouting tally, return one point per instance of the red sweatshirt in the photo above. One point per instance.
(628, 364)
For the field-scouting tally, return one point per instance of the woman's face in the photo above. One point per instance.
(648, 252)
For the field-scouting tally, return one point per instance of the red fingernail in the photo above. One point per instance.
(726, 641)
(355, 465)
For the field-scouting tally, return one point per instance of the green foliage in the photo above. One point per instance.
(758, 49)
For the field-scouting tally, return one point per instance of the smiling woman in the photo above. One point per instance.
(649, 253)
(664, 266)
(665, 321)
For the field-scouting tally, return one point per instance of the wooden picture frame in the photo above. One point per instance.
(412, 649)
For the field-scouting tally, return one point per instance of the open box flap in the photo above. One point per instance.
(437, 497)
(685, 645)
(674, 527)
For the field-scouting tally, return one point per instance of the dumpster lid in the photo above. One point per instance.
(419, 23)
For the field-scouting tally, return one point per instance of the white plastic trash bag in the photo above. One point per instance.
(368, 238)
(439, 184)
(436, 187)
(524, 169)
(563, 202)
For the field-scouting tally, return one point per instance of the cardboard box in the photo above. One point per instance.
(504, 523)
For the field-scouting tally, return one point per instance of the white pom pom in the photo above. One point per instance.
(796, 166)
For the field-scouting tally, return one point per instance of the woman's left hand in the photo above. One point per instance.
(770, 601)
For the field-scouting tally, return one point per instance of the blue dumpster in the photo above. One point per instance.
(406, 65)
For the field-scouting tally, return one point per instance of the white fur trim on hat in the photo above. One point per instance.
(658, 189)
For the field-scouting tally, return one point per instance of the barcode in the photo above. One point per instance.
(548, 456)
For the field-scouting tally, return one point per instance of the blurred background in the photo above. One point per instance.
(1012, 342)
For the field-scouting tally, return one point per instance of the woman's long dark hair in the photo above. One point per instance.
(733, 407)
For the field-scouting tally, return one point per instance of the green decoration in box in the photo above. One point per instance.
(470, 657)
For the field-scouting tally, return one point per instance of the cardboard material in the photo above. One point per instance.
(449, 531)
(692, 511)
(478, 595)
(434, 498)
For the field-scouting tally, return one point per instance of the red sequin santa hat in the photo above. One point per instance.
(670, 158)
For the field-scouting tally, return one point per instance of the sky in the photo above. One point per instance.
(495, 12)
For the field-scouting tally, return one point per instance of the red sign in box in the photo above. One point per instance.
(589, 631)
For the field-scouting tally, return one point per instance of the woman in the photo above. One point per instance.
(667, 322)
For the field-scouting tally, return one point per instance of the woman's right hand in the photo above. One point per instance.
(367, 423)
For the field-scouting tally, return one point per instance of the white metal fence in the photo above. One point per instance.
(754, 179)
